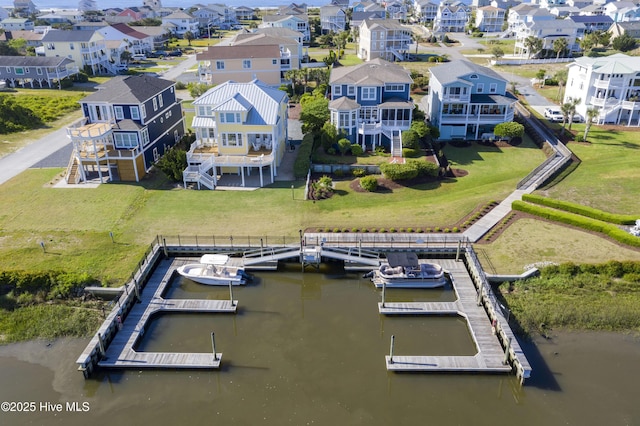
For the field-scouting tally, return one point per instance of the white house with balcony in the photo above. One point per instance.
(332, 19)
(241, 131)
(610, 84)
(299, 23)
(384, 38)
(451, 17)
(183, 22)
(525, 13)
(548, 32)
(466, 100)
(86, 48)
(489, 19)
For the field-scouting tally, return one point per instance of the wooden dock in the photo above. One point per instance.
(121, 352)
(490, 356)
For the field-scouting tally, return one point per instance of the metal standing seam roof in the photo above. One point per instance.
(129, 89)
(205, 122)
(264, 100)
(375, 72)
(614, 64)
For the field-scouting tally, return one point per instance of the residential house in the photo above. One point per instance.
(242, 63)
(152, 4)
(12, 24)
(332, 19)
(489, 19)
(32, 38)
(241, 128)
(132, 13)
(290, 47)
(622, 11)
(396, 10)
(23, 8)
(630, 28)
(296, 36)
(451, 17)
(610, 84)
(35, 71)
(564, 11)
(87, 5)
(357, 18)
(425, 10)
(183, 22)
(244, 13)
(298, 23)
(136, 41)
(591, 23)
(63, 17)
(344, 4)
(159, 35)
(128, 124)
(207, 16)
(293, 9)
(466, 100)
(526, 13)
(548, 32)
(384, 38)
(480, 3)
(4, 13)
(371, 103)
(227, 13)
(86, 48)
(592, 9)
(89, 25)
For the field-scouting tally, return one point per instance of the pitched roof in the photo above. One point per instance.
(613, 64)
(343, 104)
(259, 39)
(131, 32)
(21, 34)
(375, 72)
(591, 19)
(178, 15)
(33, 61)
(389, 24)
(264, 101)
(240, 52)
(455, 70)
(280, 32)
(129, 89)
(60, 35)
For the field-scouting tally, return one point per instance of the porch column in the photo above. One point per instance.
(242, 174)
(260, 171)
(135, 169)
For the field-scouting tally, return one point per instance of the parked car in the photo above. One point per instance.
(139, 57)
(553, 114)
(176, 52)
(157, 54)
(577, 118)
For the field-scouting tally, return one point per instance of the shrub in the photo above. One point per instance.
(359, 172)
(338, 172)
(173, 163)
(180, 85)
(303, 159)
(579, 137)
(369, 183)
(399, 171)
(345, 145)
(411, 153)
(356, 149)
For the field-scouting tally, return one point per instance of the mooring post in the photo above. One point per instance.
(213, 345)
(111, 235)
(231, 292)
(360, 247)
(101, 344)
(393, 338)
(164, 247)
(384, 288)
(135, 286)
(506, 351)
(458, 251)
(261, 247)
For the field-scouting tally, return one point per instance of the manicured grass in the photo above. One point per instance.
(530, 70)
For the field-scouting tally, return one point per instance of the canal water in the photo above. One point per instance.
(308, 349)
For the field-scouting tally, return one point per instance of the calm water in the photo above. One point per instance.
(309, 349)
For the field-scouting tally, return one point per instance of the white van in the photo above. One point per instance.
(139, 57)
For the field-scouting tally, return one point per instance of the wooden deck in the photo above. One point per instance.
(121, 352)
(490, 356)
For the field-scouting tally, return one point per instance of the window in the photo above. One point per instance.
(344, 120)
(155, 104)
(369, 114)
(246, 63)
(8, 69)
(230, 117)
(156, 156)
(126, 140)
(232, 139)
(160, 100)
(493, 87)
(176, 136)
(274, 61)
(19, 71)
(351, 90)
(394, 87)
(39, 71)
(144, 111)
(135, 113)
(480, 87)
(368, 93)
(219, 65)
(119, 113)
(145, 136)
(337, 90)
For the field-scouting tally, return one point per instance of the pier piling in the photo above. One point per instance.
(213, 345)
(393, 338)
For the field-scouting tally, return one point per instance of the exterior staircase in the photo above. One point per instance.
(73, 173)
(396, 143)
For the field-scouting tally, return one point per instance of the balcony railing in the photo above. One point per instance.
(465, 98)
(633, 105)
(617, 82)
(603, 102)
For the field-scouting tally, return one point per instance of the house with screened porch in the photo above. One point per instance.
(371, 104)
(241, 135)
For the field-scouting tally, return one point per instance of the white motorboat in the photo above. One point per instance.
(214, 269)
(405, 270)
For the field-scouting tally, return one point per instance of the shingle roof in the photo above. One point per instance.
(343, 104)
(376, 72)
(455, 70)
(390, 24)
(60, 35)
(129, 89)
(131, 32)
(265, 100)
(591, 19)
(259, 39)
(33, 61)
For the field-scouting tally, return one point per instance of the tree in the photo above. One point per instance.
(561, 77)
(125, 56)
(573, 103)
(602, 38)
(624, 43)
(315, 112)
(330, 59)
(565, 108)
(189, 36)
(559, 46)
(497, 52)
(587, 42)
(540, 76)
(197, 89)
(533, 45)
(510, 129)
(410, 139)
(592, 113)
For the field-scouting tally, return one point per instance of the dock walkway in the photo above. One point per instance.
(121, 352)
(490, 356)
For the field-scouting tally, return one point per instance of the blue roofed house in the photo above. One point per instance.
(371, 104)
(240, 128)
(466, 100)
(128, 124)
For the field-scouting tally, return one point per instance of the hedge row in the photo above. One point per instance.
(583, 222)
(303, 160)
(579, 209)
(53, 284)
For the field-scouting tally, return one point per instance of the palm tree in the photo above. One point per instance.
(573, 103)
(592, 113)
(533, 45)
(559, 46)
(566, 113)
(189, 36)
(561, 78)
